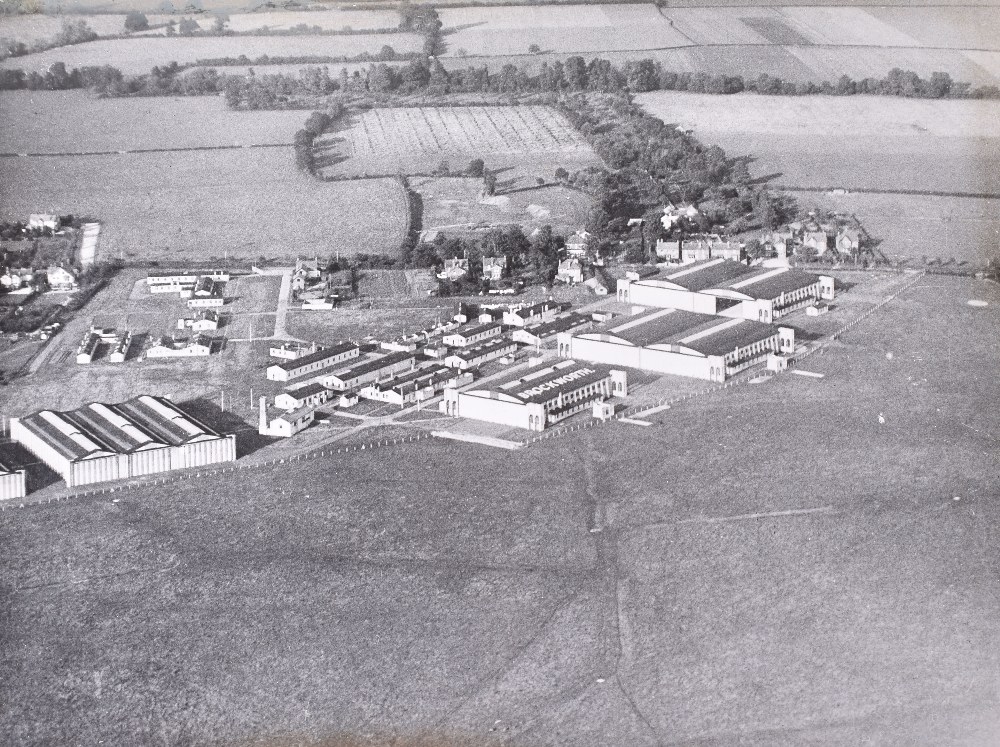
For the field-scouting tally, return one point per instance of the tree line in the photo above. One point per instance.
(426, 74)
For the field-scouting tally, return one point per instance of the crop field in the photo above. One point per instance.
(564, 29)
(205, 204)
(54, 123)
(417, 140)
(42, 27)
(139, 55)
(849, 602)
(454, 205)
(850, 142)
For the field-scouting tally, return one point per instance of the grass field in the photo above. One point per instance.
(200, 205)
(855, 142)
(408, 595)
(55, 123)
(454, 205)
(569, 29)
(139, 55)
(417, 140)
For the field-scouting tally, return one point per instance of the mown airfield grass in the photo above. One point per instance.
(452, 590)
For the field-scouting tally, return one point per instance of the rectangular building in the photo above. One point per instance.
(681, 343)
(414, 386)
(309, 395)
(99, 442)
(731, 289)
(284, 423)
(539, 397)
(370, 370)
(13, 483)
(318, 360)
(471, 334)
(534, 334)
(535, 313)
(172, 277)
(466, 358)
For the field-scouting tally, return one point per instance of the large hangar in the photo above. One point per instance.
(682, 343)
(731, 289)
(99, 442)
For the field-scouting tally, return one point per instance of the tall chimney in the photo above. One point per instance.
(262, 426)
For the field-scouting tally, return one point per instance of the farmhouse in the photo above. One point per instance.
(541, 396)
(99, 442)
(415, 386)
(174, 347)
(699, 249)
(373, 369)
(466, 358)
(570, 271)
(539, 312)
(12, 483)
(576, 245)
(284, 423)
(729, 289)
(534, 334)
(61, 279)
(470, 334)
(494, 268)
(205, 321)
(309, 395)
(672, 215)
(454, 269)
(312, 362)
(682, 343)
(43, 221)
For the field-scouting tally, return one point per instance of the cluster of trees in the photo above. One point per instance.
(423, 20)
(386, 54)
(72, 32)
(316, 125)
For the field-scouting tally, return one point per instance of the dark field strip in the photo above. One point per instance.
(874, 191)
(144, 150)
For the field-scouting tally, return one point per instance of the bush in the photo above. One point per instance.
(136, 21)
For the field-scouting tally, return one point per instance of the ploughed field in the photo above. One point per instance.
(856, 142)
(771, 565)
(529, 139)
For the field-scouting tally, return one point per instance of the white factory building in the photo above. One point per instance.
(681, 343)
(415, 386)
(540, 396)
(373, 369)
(466, 358)
(730, 289)
(313, 362)
(471, 334)
(99, 442)
(13, 483)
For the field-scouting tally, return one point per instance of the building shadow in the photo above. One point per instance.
(38, 475)
(248, 440)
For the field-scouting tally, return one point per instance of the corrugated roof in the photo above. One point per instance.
(370, 366)
(747, 332)
(710, 276)
(771, 287)
(655, 327)
(300, 392)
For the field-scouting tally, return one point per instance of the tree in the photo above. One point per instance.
(136, 21)
(476, 167)
(219, 25)
(562, 175)
(187, 27)
(534, 49)
(489, 184)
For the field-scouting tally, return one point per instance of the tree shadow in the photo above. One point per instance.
(766, 177)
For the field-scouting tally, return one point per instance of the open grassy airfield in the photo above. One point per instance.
(411, 596)
(856, 142)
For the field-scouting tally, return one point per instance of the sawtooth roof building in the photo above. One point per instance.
(100, 442)
(13, 483)
(540, 396)
(678, 342)
(728, 288)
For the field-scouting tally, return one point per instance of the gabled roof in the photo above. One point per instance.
(320, 355)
